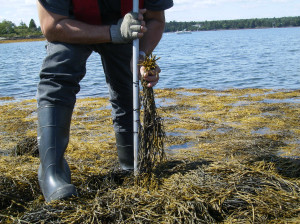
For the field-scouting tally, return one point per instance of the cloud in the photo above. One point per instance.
(30, 2)
(18, 10)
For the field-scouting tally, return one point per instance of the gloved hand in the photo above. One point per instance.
(126, 30)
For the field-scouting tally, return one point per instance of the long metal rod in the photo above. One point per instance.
(136, 106)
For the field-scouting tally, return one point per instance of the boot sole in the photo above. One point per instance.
(63, 192)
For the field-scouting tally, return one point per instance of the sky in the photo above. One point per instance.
(183, 10)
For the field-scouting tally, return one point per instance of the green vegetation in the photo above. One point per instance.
(9, 30)
(234, 24)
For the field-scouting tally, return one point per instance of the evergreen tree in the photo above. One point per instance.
(22, 25)
(32, 25)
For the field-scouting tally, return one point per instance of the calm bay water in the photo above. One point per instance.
(260, 58)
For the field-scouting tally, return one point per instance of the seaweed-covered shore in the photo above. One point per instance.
(15, 40)
(233, 156)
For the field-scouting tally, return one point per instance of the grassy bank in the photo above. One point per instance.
(232, 157)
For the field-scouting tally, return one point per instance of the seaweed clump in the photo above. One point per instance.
(151, 147)
(27, 146)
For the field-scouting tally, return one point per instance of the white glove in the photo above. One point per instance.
(126, 29)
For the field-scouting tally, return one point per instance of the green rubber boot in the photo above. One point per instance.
(53, 137)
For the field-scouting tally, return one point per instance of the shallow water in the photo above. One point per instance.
(260, 58)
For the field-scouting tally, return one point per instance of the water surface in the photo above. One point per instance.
(258, 58)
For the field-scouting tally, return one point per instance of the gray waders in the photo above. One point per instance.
(124, 142)
(62, 70)
(53, 136)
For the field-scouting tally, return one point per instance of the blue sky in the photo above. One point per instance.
(201, 10)
(183, 10)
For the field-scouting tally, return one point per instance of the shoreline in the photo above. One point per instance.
(232, 29)
(32, 39)
(7, 41)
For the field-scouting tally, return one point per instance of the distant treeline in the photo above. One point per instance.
(9, 30)
(233, 24)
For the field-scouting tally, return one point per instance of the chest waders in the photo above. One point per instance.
(54, 126)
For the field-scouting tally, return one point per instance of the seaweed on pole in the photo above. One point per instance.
(151, 147)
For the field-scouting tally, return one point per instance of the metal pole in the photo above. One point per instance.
(136, 107)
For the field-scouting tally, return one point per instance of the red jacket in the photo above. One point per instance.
(88, 11)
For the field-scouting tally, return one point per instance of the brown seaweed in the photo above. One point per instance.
(151, 147)
(232, 157)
